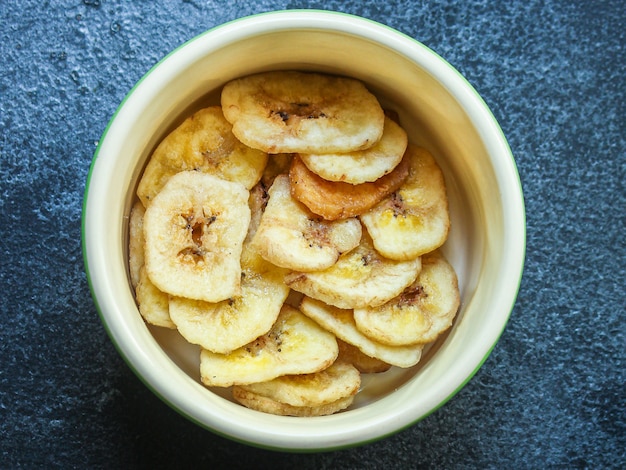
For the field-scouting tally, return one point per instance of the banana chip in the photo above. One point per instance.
(135, 242)
(362, 166)
(338, 200)
(153, 304)
(341, 323)
(414, 219)
(194, 231)
(360, 278)
(361, 361)
(289, 235)
(258, 402)
(203, 142)
(294, 345)
(421, 313)
(340, 380)
(289, 111)
(227, 325)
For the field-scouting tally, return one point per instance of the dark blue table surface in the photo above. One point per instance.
(552, 394)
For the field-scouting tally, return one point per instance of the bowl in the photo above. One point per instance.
(439, 110)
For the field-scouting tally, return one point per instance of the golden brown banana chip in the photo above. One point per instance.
(194, 231)
(362, 166)
(203, 142)
(337, 200)
(421, 313)
(340, 322)
(294, 345)
(289, 111)
(337, 381)
(414, 219)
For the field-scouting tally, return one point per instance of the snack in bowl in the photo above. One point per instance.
(440, 112)
(223, 252)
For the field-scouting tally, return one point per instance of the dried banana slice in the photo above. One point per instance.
(340, 380)
(362, 166)
(194, 231)
(153, 304)
(360, 278)
(340, 322)
(421, 313)
(289, 111)
(294, 345)
(414, 219)
(290, 236)
(337, 200)
(135, 242)
(258, 402)
(361, 361)
(203, 142)
(227, 325)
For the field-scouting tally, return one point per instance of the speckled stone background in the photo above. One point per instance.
(551, 395)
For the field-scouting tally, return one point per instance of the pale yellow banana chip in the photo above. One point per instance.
(359, 278)
(203, 142)
(361, 361)
(421, 313)
(153, 304)
(135, 242)
(257, 402)
(363, 165)
(337, 381)
(340, 322)
(289, 111)
(291, 236)
(294, 345)
(414, 219)
(194, 231)
(224, 326)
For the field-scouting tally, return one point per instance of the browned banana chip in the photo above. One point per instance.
(290, 111)
(203, 142)
(421, 313)
(414, 219)
(338, 200)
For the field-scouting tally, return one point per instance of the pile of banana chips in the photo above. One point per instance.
(293, 233)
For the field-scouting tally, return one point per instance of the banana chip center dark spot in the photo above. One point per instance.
(292, 112)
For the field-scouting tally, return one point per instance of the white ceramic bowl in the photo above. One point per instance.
(439, 110)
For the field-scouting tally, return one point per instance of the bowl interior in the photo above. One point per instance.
(439, 110)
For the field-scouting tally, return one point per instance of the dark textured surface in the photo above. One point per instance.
(552, 393)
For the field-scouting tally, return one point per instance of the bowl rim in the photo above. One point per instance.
(338, 22)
